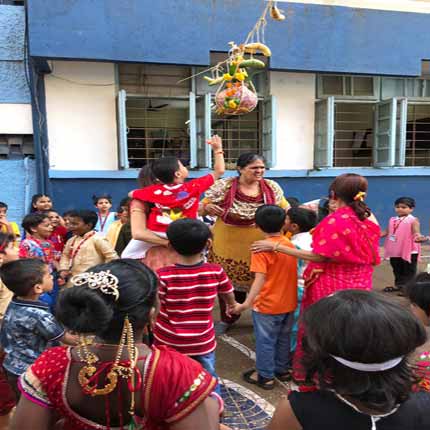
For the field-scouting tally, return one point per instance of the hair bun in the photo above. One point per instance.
(83, 310)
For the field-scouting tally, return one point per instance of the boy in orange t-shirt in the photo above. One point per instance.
(273, 298)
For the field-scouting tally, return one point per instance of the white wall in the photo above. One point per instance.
(295, 96)
(81, 116)
(15, 119)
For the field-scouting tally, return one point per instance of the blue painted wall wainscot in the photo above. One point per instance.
(74, 190)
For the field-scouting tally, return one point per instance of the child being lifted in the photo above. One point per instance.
(170, 198)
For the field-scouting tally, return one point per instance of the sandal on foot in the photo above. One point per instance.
(261, 381)
(284, 377)
(391, 289)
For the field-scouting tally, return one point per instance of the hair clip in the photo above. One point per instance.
(104, 281)
(360, 196)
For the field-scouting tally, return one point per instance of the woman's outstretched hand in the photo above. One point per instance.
(263, 246)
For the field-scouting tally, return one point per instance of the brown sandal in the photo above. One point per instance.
(261, 381)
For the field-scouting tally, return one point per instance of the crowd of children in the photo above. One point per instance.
(303, 258)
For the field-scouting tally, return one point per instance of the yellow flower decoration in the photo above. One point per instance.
(232, 104)
(227, 77)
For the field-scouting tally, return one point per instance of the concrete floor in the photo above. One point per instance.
(231, 362)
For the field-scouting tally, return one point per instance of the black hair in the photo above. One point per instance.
(305, 218)
(22, 275)
(97, 197)
(247, 158)
(408, 201)
(124, 202)
(418, 291)
(353, 324)
(4, 205)
(293, 201)
(69, 212)
(164, 169)
(347, 188)
(88, 217)
(188, 236)
(33, 220)
(270, 218)
(5, 239)
(34, 200)
(146, 176)
(86, 310)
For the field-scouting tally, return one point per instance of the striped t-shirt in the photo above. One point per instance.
(187, 297)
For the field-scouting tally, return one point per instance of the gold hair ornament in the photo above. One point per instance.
(360, 196)
(103, 281)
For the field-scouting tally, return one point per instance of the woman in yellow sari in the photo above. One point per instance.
(234, 201)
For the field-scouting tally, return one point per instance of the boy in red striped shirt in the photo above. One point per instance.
(187, 293)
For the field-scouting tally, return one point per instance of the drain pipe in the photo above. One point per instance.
(26, 185)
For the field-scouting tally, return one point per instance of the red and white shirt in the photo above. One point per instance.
(187, 297)
(172, 202)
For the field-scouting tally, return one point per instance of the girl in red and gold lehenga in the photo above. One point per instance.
(110, 381)
(345, 248)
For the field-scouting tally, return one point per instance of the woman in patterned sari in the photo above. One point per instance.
(234, 201)
(345, 248)
(110, 381)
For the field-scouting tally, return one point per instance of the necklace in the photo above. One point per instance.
(74, 252)
(103, 220)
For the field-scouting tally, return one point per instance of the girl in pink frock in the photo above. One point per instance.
(401, 244)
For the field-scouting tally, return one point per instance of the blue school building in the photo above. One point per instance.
(92, 90)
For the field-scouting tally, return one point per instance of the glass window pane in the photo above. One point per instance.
(332, 85)
(392, 87)
(363, 86)
(348, 87)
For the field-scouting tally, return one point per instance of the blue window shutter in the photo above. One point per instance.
(203, 112)
(269, 130)
(324, 133)
(402, 119)
(122, 130)
(384, 146)
(193, 131)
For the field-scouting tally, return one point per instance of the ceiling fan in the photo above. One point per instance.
(151, 108)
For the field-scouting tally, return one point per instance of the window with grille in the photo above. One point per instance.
(418, 135)
(161, 114)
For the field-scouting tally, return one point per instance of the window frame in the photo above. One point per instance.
(322, 95)
(200, 127)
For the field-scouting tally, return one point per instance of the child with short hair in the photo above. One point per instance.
(401, 244)
(188, 291)
(37, 244)
(8, 227)
(299, 222)
(28, 325)
(8, 252)
(103, 203)
(171, 198)
(86, 248)
(273, 298)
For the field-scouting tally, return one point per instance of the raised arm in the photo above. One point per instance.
(219, 164)
(138, 225)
